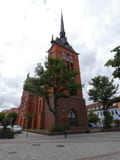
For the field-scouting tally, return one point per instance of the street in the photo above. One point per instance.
(91, 146)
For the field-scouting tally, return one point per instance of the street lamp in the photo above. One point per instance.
(11, 120)
(26, 126)
(64, 119)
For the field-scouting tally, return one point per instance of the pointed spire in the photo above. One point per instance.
(62, 31)
(62, 40)
(62, 23)
(28, 76)
(52, 40)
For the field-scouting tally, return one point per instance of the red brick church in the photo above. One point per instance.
(74, 107)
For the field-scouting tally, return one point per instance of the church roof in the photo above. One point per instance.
(62, 40)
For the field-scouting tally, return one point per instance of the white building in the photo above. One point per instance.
(98, 109)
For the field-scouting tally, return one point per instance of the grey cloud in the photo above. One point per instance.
(8, 43)
(2, 61)
(11, 90)
(99, 8)
(8, 101)
(13, 83)
(45, 1)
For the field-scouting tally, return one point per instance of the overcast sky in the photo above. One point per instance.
(26, 26)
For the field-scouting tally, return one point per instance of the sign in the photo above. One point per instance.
(64, 117)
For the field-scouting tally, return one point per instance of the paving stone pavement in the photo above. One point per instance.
(92, 146)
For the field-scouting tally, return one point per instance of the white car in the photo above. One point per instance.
(1, 127)
(17, 128)
(9, 127)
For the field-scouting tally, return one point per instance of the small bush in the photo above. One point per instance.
(92, 117)
(87, 130)
(13, 132)
(6, 133)
(5, 122)
(56, 129)
(117, 122)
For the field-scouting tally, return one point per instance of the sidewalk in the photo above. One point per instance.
(92, 146)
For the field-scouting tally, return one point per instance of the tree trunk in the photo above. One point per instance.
(104, 124)
(108, 119)
(56, 121)
(56, 112)
(53, 109)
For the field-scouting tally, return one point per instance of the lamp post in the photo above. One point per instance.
(28, 118)
(26, 126)
(11, 120)
(64, 119)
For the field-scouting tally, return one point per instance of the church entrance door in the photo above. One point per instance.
(72, 119)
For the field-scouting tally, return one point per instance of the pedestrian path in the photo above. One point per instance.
(93, 146)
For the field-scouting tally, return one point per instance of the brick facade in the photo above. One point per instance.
(74, 107)
(31, 104)
(12, 110)
(56, 51)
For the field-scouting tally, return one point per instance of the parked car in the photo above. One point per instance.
(91, 125)
(17, 128)
(1, 127)
(99, 125)
(9, 127)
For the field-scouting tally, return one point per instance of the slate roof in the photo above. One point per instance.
(62, 40)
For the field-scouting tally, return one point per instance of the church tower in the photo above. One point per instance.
(74, 107)
(61, 49)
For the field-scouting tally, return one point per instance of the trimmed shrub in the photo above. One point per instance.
(117, 122)
(5, 122)
(56, 129)
(6, 133)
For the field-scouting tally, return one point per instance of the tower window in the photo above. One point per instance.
(71, 66)
(68, 57)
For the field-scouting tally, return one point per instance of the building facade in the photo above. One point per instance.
(74, 107)
(97, 108)
(10, 111)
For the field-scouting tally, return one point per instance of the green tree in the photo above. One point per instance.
(5, 122)
(29, 116)
(107, 121)
(54, 80)
(2, 116)
(92, 117)
(115, 62)
(11, 117)
(103, 91)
